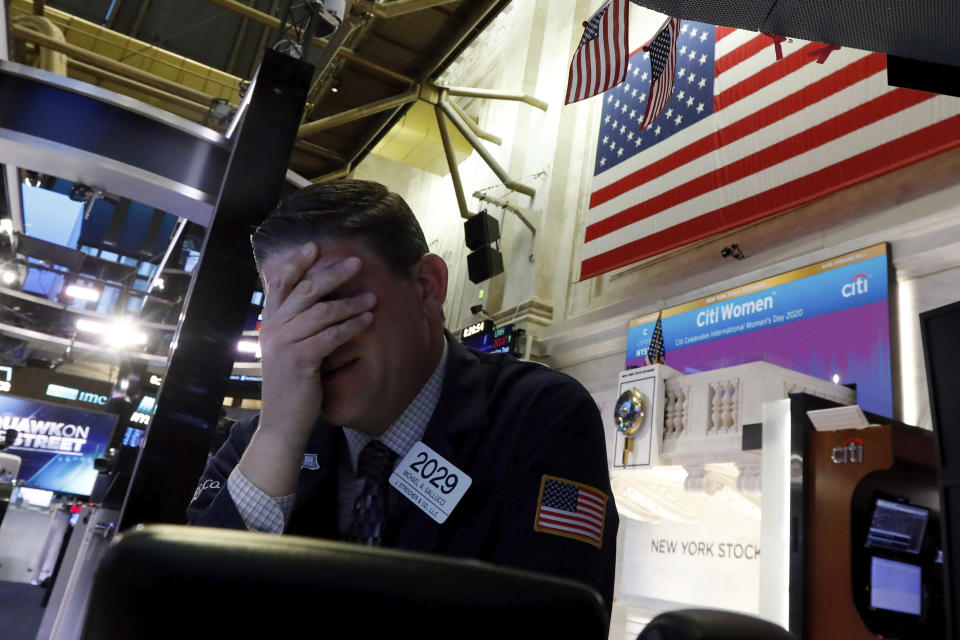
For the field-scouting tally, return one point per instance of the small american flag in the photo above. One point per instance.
(600, 61)
(572, 510)
(655, 352)
(663, 65)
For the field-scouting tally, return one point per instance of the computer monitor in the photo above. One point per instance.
(897, 526)
(896, 586)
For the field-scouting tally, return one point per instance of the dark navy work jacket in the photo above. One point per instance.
(505, 423)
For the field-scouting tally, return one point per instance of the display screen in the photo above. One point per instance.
(57, 444)
(895, 586)
(897, 526)
(830, 320)
(499, 340)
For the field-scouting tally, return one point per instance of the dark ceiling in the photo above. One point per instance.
(393, 48)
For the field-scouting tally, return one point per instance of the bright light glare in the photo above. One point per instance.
(836, 378)
(123, 334)
(83, 293)
(9, 277)
(91, 326)
(6, 226)
(249, 346)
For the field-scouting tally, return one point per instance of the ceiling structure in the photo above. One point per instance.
(191, 56)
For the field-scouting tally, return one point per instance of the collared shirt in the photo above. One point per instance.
(261, 512)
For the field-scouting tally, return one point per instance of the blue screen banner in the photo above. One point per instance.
(57, 444)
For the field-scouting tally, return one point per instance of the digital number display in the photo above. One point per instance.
(499, 340)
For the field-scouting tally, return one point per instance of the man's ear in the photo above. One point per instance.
(431, 274)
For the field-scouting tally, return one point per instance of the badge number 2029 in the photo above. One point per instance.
(430, 481)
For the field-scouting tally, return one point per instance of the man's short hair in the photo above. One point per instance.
(344, 209)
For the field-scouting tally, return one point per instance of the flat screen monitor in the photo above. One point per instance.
(895, 586)
(897, 526)
(57, 444)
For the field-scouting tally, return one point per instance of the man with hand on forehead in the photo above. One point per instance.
(378, 427)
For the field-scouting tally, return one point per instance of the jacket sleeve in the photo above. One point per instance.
(561, 455)
(211, 505)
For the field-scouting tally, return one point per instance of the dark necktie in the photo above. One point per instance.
(369, 510)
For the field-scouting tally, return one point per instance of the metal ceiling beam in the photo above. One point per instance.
(317, 150)
(346, 54)
(356, 113)
(470, 92)
(477, 131)
(160, 94)
(508, 182)
(111, 65)
(398, 7)
(452, 163)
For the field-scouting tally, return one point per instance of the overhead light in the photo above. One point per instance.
(249, 346)
(82, 293)
(9, 277)
(123, 333)
(91, 326)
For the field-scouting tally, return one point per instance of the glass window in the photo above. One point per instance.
(140, 284)
(109, 255)
(146, 269)
(134, 303)
(93, 251)
(127, 260)
(257, 298)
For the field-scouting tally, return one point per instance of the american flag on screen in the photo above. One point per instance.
(600, 61)
(572, 510)
(744, 137)
(656, 353)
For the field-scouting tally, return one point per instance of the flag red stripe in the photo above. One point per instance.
(592, 537)
(888, 157)
(723, 32)
(546, 521)
(593, 493)
(836, 127)
(750, 48)
(560, 514)
(824, 88)
(767, 76)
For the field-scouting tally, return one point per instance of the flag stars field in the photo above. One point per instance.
(635, 93)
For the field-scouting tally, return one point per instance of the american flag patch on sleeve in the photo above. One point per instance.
(571, 509)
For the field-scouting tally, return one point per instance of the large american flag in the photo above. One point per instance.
(744, 137)
(600, 61)
(572, 510)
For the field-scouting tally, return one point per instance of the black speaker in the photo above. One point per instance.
(483, 264)
(923, 76)
(481, 229)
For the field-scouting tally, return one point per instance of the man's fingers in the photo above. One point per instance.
(333, 336)
(279, 285)
(324, 314)
(316, 285)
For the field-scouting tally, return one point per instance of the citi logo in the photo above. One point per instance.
(856, 286)
(850, 451)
